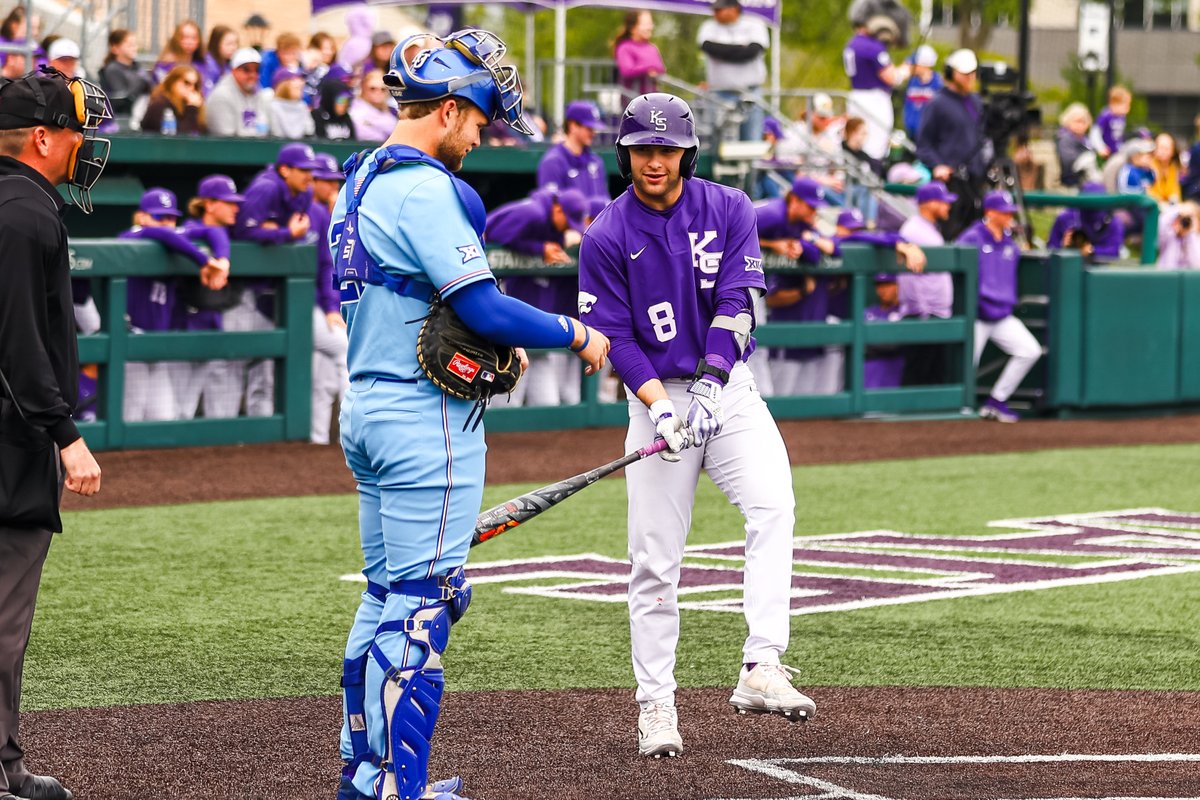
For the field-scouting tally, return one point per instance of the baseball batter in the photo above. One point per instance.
(403, 228)
(669, 271)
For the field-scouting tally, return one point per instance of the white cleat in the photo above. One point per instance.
(658, 731)
(768, 689)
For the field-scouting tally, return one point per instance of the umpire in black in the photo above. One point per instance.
(47, 127)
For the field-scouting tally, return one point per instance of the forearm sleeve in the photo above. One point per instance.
(175, 242)
(630, 363)
(508, 321)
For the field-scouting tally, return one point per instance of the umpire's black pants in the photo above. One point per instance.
(22, 554)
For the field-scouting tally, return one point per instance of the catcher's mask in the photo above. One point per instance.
(465, 64)
(49, 98)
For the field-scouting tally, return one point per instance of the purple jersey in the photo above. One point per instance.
(1105, 231)
(1111, 127)
(150, 302)
(773, 223)
(524, 226)
(561, 169)
(268, 199)
(883, 367)
(328, 298)
(997, 271)
(653, 277)
(863, 60)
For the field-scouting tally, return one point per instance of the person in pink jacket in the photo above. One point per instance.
(638, 61)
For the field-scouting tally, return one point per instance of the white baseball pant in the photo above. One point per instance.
(330, 377)
(551, 379)
(749, 463)
(1013, 338)
(874, 107)
(256, 378)
(149, 395)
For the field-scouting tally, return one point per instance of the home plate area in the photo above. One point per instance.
(1063, 776)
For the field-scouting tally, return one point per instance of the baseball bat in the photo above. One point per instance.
(511, 513)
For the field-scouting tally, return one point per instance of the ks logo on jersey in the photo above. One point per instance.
(586, 301)
(708, 263)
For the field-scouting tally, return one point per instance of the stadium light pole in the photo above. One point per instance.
(1023, 48)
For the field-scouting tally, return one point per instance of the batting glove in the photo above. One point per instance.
(705, 415)
(669, 426)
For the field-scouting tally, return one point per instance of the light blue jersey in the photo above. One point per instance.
(412, 223)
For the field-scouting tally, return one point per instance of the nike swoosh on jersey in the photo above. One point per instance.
(634, 256)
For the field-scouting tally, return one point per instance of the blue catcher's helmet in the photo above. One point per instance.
(658, 119)
(465, 64)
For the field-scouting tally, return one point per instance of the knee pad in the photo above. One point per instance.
(453, 589)
(411, 698)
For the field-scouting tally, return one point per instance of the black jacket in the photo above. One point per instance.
(950, 133)
(124, 84)
(38, 350)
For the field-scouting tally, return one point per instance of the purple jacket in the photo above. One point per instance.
(268, 199)
(773, 223)
(561, 169)
(1105, 231)
(635, 60)
(997, 271)
(524, 226)
(150, 302)
(328, 298)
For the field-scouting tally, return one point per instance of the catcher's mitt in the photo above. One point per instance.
(460, 362)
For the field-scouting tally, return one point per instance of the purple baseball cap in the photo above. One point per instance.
(159, 202)
(575, 205)
(773, 127)
(935, 191)
(809, 191)
(285, 74)
(330, 169)
(885, 277)
(219, 187)
(583, 112)
(298, 155)
(851, 219)
(1001, 202)
(596, 205)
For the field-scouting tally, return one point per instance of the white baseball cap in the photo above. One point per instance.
(963, 61)
(243, 56)
(62, 48)
(925, 56)
(822, 105)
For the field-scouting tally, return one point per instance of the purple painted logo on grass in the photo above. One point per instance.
(848, 571)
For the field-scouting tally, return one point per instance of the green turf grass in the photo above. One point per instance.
(242, 599)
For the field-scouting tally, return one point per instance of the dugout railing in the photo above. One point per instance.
(107, 264)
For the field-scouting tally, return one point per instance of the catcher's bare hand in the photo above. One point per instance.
(591, 346)
(522, 358)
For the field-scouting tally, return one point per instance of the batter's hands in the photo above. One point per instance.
(705, 415)
(670, 427)
(83, 473)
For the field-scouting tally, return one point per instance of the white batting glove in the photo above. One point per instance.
(669, 426)
(705, 415)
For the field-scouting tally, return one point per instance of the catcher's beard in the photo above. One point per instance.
(453, 147)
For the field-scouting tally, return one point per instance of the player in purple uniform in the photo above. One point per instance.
(330, 379)
(538, 226)
(998, 256)
(883, 365)
(928, 294)
(872, 77)
(669, 272)
(571, 164)
(275, 211)
(1097, 233)
(199, 306)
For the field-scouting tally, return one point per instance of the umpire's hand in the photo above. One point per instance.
(83, 473)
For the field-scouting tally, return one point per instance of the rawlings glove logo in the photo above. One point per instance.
(463, 367)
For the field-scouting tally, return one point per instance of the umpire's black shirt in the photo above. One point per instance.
(38, 351)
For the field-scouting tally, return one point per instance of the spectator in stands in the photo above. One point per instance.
(14, 66)
(63, 55)
(949, 142)
(1098, 234)
(382, 45)
(873, 76)
(317, 60)
(1179, 237)
(571, 164)
(1167, 170)
(182, 48)
(286, 55)
(14, 30)
(125, 83)
(150, 305)
(883, 365)
(356, 48)
(1191, 181)
(998, 256)
(922, 86)
(854, 144)
(787, 226)
(179, 96)
(927, 295)
(374, 118)
(1076, 159)
(222, 44)
(255, 30)
(238, 106)
(329, 374)
(290, 115)
(331, 117)
(637, 59)
(537, 226)
(199, 307)
(275, 211)
(733, 44)
(1109, 130)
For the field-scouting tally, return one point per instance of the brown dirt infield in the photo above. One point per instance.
(581, 745)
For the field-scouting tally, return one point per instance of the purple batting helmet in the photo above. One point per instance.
(658, 119)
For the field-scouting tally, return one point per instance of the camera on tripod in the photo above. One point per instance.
(1007, 111)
